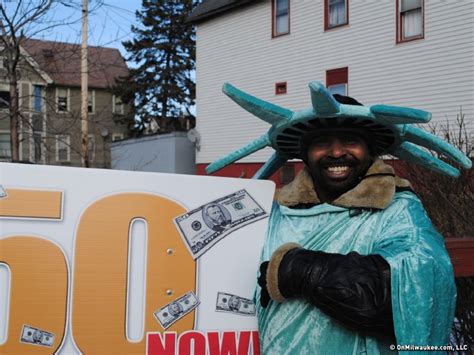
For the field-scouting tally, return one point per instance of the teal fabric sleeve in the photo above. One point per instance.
(423, 288)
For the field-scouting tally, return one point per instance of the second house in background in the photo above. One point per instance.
(50, 104)
(412, 53)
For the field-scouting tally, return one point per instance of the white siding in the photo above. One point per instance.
(435, 73)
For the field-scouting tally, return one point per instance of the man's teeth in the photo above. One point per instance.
(338, 169)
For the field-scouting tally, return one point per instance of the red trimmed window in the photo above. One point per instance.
(280, 17)
(410, 20)
(280, 88)
(337, 81)
(336, 13)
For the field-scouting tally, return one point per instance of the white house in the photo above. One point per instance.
(415, 53)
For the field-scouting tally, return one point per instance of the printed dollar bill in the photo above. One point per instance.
(177, 309)
(3, 192)
(227, 302)
(206, 225)
(35, 336)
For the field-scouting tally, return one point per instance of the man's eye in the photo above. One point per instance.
(320, 144)
(350, 141)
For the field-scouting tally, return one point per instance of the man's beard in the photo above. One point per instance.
(330, 183)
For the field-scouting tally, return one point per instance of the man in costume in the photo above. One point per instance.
(351, 262)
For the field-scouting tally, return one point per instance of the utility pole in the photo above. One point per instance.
(84, 91)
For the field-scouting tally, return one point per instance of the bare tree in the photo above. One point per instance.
(448, 201)
(13, 26)
(19, 21)
(450, 205)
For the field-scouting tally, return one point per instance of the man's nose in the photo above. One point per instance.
(337, 149)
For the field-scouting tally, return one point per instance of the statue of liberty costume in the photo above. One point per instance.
(380, 219)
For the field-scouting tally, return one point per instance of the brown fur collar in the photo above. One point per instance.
(372, 192)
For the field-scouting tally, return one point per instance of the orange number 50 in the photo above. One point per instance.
(99, 276)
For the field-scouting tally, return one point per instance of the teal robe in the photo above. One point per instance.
(422, 281)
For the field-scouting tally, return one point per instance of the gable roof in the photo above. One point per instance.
(211, 8)
(62, 62)
(29, 59)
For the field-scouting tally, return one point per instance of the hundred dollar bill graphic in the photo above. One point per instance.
(177, 309)
(227, 302)
(36, 336)
(204, 226)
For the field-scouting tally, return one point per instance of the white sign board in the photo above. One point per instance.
(116, 262)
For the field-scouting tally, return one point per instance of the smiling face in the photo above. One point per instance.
(337, 160)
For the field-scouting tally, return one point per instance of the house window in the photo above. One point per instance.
(337, 81)
(91, 101)
(4, 99)
(37, 122)
(36, 138)
(117, 105)
(63, 148)
(410, 21)
(38, 146)
(5, 147)
(281, 17)
(62, 99)
(91, 147)
(117, 137)
(280, 88)
(37, 93)
(336, 13)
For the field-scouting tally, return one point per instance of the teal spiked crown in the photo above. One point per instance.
(390, 127)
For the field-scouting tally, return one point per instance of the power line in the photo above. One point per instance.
(119, 8)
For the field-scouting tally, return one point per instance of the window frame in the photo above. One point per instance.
(114, 98)
(68, 100)
(399, 24)
(91, 138)
(92, 93)
(37, 99)
(274, 22)
(281, 88)
(32, 133)
(42, 147)
(68, 147)
(327, 27)
(115, 135)
(6, 108)
(4, 87)
(6, 132)
(338, 76)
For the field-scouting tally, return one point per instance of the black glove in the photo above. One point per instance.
(262, 281)
(352, 288)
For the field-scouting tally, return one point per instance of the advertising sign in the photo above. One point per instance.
(116, 262)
